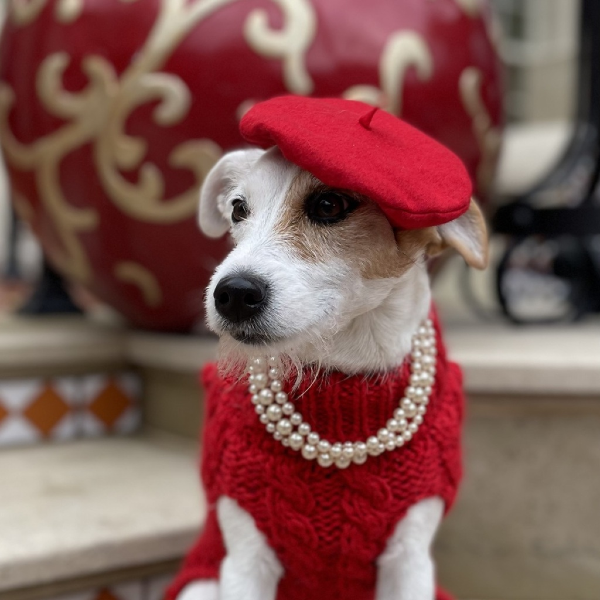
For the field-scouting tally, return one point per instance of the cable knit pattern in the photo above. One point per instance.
(327, 525)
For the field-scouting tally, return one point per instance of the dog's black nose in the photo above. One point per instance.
(237, 297)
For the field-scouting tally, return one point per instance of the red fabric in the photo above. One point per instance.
(415, 180)
(327, 526)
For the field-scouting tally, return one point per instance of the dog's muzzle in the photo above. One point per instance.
(240, 297)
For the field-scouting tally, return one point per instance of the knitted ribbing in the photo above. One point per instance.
(326, 525)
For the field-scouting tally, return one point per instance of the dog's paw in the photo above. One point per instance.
(200, 590)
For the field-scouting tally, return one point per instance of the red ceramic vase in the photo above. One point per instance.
(112, 112)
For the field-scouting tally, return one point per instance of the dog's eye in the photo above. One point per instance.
(239, 210)
(329, 207)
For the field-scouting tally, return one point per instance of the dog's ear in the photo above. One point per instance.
(212, 217)
(467, 235)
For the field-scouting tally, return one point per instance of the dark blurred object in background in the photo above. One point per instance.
(551, 268)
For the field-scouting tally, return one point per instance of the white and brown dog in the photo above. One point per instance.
(319, 275)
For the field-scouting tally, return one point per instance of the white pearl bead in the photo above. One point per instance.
(304, 429)
(383, 435)
(260, 380)
(359, 459)
(421, 410)
(271, 427)
(411, 411)
(418, 420)
(276, 385)
(259, 363)
(296, 418)
(296, 441)
(285, 441)
(415, 379)
(399, 413)
(272, 361)
(264, 419)
(288, 408)
(407, 435)
(309, 452)
(255, 399)
(372, 443)
(348, 452)
(324, 447)
(274, 412)
(381, 448)
(402, 424)
(278, 436)
(399, 441)
(281, 397)
(325, 460)
(390, 444)
(259, 409)
(253, 389)
(274, 373)
(266, 397)
(284, 427)
(412, 427)
(336, 450)
(410, 391)
(312, 438)
(360, 449)
(428, 390)
(251, 369)
(342, 462)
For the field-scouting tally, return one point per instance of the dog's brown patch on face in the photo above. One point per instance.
(365, 238)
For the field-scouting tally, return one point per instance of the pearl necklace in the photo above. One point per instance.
(287, 426)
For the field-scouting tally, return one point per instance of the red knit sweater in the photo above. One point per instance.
(326, 525)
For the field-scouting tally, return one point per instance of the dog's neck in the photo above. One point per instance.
(380, 339)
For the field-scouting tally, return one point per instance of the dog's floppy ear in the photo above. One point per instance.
(467, 235)
(212, 217)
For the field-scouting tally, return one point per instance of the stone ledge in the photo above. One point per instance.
(71, 510)
(57, 345)
(497, 358)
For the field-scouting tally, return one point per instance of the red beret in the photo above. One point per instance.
(415, 180)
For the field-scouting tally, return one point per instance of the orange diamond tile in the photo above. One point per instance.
(106, 595)
(3, 413)
(47, 410)
(110, 404)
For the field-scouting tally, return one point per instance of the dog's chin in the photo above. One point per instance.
(253, 339)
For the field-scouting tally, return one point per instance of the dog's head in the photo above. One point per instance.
(317, 273)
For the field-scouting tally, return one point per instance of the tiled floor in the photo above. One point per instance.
(143, 589)
(65, 408)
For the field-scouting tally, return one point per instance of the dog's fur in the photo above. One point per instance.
(346, 297)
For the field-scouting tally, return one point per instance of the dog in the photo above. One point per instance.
(320, 276)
